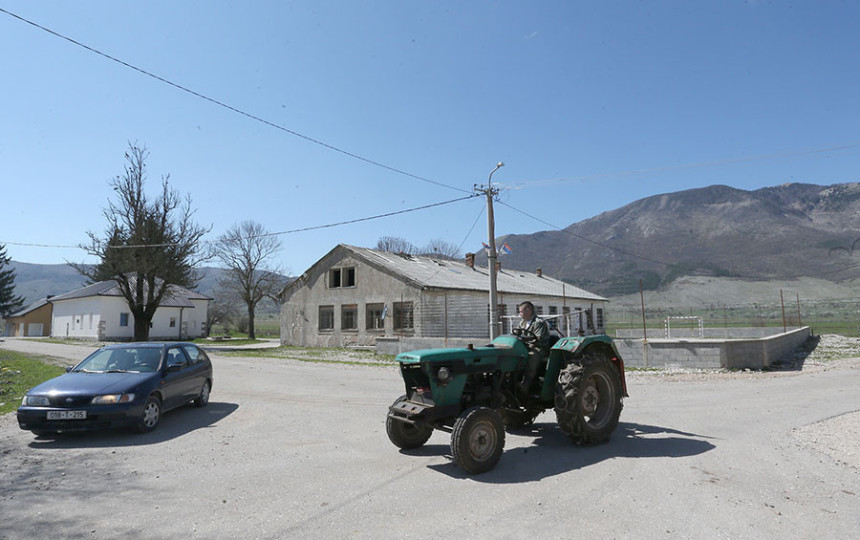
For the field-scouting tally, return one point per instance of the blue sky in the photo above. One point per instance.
(591, 105)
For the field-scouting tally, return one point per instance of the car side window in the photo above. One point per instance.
(193, 354)
(175, 356)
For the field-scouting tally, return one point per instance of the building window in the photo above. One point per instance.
(538, 310)
(403, 316)
(349, 317)
(374, 316)
(173, 322)
(123, 319)
(553, 310)
(341, 277)
(599, 322)
(326, 317)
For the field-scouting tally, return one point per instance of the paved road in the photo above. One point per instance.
(296, 450)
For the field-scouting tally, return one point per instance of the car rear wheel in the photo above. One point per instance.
(150, 416)
(203, 399)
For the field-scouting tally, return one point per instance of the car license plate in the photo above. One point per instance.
(67, 415)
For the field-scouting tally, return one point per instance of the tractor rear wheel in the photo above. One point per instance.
(405, 435)
(478, 439)
(588, 399)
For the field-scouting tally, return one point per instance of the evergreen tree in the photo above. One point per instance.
(9, 303)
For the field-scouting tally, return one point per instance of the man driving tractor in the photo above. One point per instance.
(535, 325)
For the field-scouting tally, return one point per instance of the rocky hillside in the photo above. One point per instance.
(780, 232)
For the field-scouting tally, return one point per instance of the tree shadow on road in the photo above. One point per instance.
(553, 453)
(173, 424)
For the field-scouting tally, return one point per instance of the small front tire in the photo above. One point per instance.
(405, 435)
(478, 439)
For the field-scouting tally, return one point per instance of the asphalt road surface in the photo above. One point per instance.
(298, 450)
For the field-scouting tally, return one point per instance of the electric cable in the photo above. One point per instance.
(231, 108)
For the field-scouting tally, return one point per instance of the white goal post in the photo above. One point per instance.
(667, 324)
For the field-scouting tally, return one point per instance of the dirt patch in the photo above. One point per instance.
(836, 437)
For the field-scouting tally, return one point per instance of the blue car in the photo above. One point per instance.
(130, 384)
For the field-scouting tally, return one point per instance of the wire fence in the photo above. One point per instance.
(825, 316)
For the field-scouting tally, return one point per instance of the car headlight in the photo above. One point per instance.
(35, 401)
(443, 375)
(111, 399)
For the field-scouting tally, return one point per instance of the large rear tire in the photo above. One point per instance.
(478, 439)
(588, 399)
(404, 435)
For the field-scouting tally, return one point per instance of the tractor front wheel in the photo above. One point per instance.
(588, 399)
(405, 435)
(478, 439)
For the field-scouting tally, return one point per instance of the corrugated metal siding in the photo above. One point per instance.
(454, 315)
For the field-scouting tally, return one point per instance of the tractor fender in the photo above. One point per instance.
(573, 346)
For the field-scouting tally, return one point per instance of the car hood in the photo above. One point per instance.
(82, 384)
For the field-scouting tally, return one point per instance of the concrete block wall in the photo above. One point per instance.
(754, 353)
(711, 353)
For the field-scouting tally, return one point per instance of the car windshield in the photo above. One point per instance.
(130, 359)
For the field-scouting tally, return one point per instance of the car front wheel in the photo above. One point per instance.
(150, 416)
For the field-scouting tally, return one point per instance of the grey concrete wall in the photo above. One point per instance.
(757, 353)
(677, 332)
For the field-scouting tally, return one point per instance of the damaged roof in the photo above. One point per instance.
(436, 273)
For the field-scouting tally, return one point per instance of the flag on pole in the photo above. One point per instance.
(505, 249)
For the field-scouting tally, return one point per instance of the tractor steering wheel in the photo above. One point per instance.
(527, 336)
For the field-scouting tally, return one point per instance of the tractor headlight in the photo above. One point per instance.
(443, 375)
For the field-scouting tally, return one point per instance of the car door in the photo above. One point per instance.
(178, 382)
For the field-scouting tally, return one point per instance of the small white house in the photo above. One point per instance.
(100, 312)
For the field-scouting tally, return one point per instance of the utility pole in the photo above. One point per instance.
(491, 192)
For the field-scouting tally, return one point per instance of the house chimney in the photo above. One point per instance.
(539, 273)
(470, 260)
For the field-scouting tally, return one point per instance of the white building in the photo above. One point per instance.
(360, 296)
(100, 312)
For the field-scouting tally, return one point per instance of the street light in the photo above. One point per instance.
(491, 256)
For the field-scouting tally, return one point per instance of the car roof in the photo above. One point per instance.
(148, 344)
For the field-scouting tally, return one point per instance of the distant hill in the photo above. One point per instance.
(780, 232)
(36, 281)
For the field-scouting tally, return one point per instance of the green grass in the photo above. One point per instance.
(19, 373)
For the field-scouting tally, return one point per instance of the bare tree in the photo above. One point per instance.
(149, 245)
(394, 244)
(245, 250)
(222, 308)
(441, 249)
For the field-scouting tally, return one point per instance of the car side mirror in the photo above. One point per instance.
(69, 368)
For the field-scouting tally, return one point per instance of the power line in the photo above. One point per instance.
(303, 229)
(231, 108)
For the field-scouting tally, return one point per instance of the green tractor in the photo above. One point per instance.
(475, 393)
